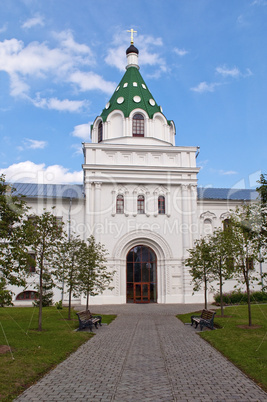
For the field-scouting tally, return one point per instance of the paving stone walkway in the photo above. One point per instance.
(146, 354)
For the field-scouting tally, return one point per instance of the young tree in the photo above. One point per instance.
(262, 189)
(246, 242)
(47, 294)
(5, 295)
(222, 260)
(94, 277)
(13, 250)
(45, 235)
(67, 263)
(200, 263)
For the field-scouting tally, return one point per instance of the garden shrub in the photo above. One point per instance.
(238, 297)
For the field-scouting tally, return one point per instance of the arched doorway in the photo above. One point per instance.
(141, 275)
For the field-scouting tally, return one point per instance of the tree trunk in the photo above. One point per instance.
(221, 285)
(248, 293)
(87, 301)
(205, 289)
(69, 312)
(40, 297)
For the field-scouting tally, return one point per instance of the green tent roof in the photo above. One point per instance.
(131, 93)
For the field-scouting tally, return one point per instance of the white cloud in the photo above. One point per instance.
(233, 72)
(205, 87)
(227, 72)
(67, 41)
(116, 57)
(32, 22)
(34, 144)
(227, 172)
(78, 149)
(259, 3)
(88, 81)
(29, 172)
(202, 163)
(61, 64)
(3, 28)
(64, 105)
(180, 52)
(116, 54)
(82, 131)
(248, 73)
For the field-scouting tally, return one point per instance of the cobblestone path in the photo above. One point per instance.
(146, 354)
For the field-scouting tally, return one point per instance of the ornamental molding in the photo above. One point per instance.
(225, 215)
(208, 215)
(146, 238)
(141, 190)
(161, 190)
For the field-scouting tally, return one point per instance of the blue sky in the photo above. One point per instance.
(204, 61)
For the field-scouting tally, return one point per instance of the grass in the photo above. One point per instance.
(34, 353)
(245, 347)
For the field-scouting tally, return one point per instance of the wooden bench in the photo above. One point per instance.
(87, 320)
(204, 320)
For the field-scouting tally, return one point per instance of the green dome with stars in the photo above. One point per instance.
(132, 92)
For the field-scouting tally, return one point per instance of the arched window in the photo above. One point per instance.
(141, 204)
(138, 125)
(100, 131)
(161, 205)
(27, 295)
(207, 226)
(226, 224)
(119, 204)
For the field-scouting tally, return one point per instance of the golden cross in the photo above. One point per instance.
(132, 32)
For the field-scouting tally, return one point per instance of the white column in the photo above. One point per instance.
(167, 204)
(194, 226)
(156, 210)
(126, 203)
(114, 202)
(185, 216)
(97, 229)
(134, 203)
(89, 210)
(147, 204)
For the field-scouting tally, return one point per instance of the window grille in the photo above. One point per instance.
(138, 125)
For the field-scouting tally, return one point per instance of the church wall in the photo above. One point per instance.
(211, 215)
(174, 227)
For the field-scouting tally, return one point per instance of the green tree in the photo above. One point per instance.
(262, 189)
(246, 223)
(94, 276)
(47, 294)
(44, 234)
(13, 250)
(200, 263)
(222, 259)
(5, 295)
(68, 263)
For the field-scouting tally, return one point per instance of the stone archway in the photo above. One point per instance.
(163, 254)
(141, 275)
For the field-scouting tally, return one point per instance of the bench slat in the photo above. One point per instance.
(87, 320)
(205, 319)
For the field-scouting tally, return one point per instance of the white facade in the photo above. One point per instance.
(136, 171)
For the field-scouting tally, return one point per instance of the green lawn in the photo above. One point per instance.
(33, 352)
(246, 348)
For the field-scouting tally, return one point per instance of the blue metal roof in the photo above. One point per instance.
(208, 193)
(34, 190)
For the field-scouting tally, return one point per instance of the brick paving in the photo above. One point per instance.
(146, 354)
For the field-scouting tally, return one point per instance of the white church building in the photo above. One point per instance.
(139, 199)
